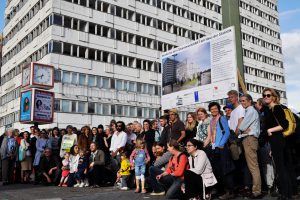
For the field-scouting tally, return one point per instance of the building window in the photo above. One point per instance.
(65, 105)
(66, 77)
(82, 79)
(91, 107)
(57, 105)
(74, 78)
(106, 109)
(92, 81)
(81, 107)
(105, 83)
(74, 106)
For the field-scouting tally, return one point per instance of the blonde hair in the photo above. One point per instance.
(203, 110)
(190, 126)
(274, 94)
(138, 143)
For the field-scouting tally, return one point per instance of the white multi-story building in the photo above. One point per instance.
(106, 53)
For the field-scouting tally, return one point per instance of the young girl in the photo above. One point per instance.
(65, 170)
(81, 169)
(124, 171)
(138, 159)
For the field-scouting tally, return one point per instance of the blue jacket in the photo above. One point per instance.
(222, 138)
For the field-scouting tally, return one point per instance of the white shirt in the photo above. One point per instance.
(236, 114)
(118, 140)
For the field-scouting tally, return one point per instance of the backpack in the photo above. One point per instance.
(291, 119)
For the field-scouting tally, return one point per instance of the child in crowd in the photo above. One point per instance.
(124, 172)
(65, 170)
(138, 159)
(81, 169)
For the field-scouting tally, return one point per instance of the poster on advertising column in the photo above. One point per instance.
(43, 106)
(201, 71)
(25, 106)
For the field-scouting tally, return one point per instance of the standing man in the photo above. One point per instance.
(154, 126)
(8, 154)
(118, 143)
(250, 127)
(177, 126)
(165, 133)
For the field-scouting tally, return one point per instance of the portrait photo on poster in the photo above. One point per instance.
(25, 106)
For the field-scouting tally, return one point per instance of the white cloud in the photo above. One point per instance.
(288, 13)
(291, 51)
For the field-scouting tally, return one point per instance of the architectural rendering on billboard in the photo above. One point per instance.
(201, 71)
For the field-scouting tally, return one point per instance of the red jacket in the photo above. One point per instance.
(177, 168)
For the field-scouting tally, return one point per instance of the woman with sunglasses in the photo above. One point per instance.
(200, 174)
(276, 123)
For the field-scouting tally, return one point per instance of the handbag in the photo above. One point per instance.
(21, 153)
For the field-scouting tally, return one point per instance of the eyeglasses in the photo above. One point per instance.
(267, 95)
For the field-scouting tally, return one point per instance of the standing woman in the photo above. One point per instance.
(200, 175)
(83, 139)
(276, 123)
(55, 141)
(97, 138)
(148, 135)
(202, 129)
(26, 164)
(190, 126)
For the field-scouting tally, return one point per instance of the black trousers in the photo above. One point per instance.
(96, 175)
(193, 184)
(283, 164)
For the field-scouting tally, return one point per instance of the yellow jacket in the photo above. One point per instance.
(125, 167)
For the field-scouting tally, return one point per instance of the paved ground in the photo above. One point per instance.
(31, 192)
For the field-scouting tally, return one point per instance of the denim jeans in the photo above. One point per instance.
(140, 170)
(172, 185)
(124, 180)
(153, 172)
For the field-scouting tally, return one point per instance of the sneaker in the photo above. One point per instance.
(157, 193)
(64, 185)
(124, 188)
(81, 184)
(76, 185)
(86, 184)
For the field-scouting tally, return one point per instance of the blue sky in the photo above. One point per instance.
(289, 15)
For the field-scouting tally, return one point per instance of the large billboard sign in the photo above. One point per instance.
(201, 71)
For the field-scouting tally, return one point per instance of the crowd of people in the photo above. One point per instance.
(240, 150)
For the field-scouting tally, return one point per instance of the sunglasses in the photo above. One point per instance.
(267, 95)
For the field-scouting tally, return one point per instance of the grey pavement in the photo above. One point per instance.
(32, 192)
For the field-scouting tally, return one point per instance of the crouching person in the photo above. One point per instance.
(199, 179)
(172, 178)
(96, 166)
(49, 168)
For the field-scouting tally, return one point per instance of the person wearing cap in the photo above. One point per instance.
(228, 109)
(176, 126)
(68, 140)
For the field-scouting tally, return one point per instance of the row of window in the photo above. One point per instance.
(207, 4)
(259, 12)
(12, 95)
(259, 89)
(14, 10)
(262, 58)
(39, 29)
(70, 106)
(260, 27)
(105, 82)
(260, 42)
(109, 32)
(176, 10)
(264, 74)
(37, 55)
(10, 118)
(268, 4)
(21, 23)
(146, 20)
(69, 49)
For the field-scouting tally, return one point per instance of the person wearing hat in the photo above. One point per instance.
(228, 109)
(68, 140)
(176, 126)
